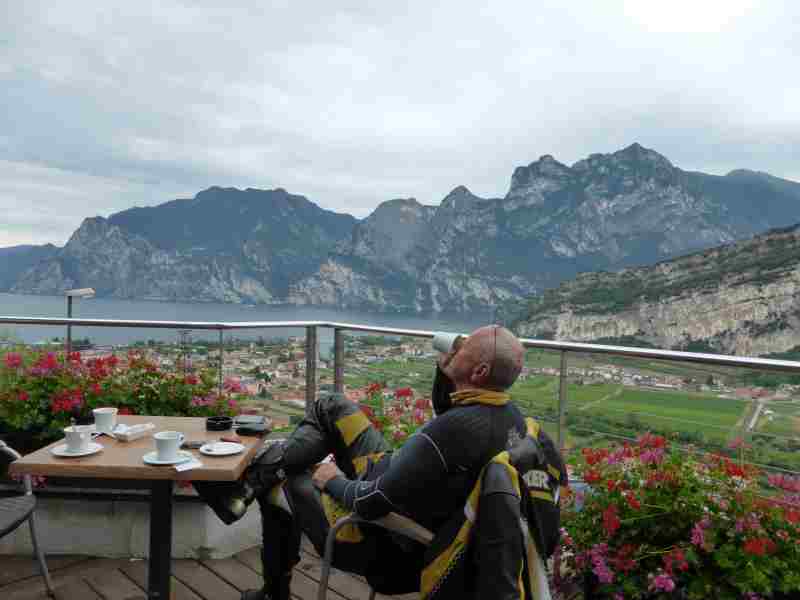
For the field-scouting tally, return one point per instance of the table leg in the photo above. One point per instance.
(158, 573)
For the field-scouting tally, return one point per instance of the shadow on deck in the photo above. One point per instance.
(83, 577)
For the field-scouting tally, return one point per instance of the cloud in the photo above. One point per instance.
(108, 105)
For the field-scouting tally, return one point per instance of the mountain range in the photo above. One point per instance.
(605, 212)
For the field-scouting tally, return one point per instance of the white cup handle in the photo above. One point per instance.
(182, 439)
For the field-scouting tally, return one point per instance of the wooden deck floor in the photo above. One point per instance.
(82, 577)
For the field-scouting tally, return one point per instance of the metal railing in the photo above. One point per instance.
(339, 329)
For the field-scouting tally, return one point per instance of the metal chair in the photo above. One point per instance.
(14, 511)
(392, 522)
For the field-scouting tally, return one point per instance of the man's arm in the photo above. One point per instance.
(414, 469)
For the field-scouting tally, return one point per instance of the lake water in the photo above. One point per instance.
(17, 305)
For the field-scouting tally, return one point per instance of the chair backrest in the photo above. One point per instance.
(7, 456)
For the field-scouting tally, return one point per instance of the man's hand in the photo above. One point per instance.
(324, 473)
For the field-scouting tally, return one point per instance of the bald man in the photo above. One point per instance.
(428, 479)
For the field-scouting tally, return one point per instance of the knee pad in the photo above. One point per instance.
(268, 467)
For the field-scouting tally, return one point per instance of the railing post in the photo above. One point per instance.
(338, 361)
(312, 349)
(562, 402)
(221, 357)
(69, 327)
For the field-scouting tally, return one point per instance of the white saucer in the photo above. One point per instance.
(61, 450)
(221, 448)
(151, 458)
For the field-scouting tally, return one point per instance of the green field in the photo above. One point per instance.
(784, 422)
(638, 409)
(676, 411)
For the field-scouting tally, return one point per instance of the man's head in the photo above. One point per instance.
(490, 358)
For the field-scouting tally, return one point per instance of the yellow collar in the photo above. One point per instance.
(479, 396)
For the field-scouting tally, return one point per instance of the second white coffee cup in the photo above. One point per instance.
(167, 444)
(105, 419)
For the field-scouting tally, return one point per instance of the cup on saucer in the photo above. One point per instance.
(78, 437)
(105, 419)
(167, 444)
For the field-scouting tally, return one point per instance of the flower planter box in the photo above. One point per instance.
(116, 524)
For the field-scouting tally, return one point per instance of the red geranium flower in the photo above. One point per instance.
(591, 476)
(759, 546)
(13, 360)
(611, 521)
(633, 502)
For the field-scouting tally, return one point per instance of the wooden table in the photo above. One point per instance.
(123, 461)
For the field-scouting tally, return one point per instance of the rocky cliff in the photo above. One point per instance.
(741, 298)
(606, 212)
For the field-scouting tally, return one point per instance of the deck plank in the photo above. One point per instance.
(306, 588)
(202, 581)
(343, 584)
(114, 585)
(15, 568)
(235, 573)
(76, 588)
(222, 579)
(34, 588)
(346, 584)
(359, 585)
(137, 571)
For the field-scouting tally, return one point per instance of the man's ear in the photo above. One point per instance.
(480, 374)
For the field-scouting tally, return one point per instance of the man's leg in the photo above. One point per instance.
(280, 552)
(335, 425)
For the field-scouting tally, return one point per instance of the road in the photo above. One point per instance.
(756, 413)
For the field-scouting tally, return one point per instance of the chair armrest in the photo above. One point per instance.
(391, 522)
(405, 526)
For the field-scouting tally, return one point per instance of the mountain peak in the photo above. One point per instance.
(458, 198)
(637, 152)
(395, 206)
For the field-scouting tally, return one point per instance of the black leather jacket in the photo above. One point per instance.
(430, 477)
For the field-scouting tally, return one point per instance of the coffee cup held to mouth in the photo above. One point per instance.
(78, 437)
(105, 419)
(444, 341)
(167, 444)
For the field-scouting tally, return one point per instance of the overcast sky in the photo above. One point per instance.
(106, 105)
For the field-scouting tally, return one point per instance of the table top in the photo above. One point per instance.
(123, 460)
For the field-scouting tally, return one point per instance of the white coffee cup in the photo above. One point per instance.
(105, 419)
(167, 444)
(444, 341)
(78, 437)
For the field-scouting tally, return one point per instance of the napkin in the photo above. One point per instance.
(191, 464)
